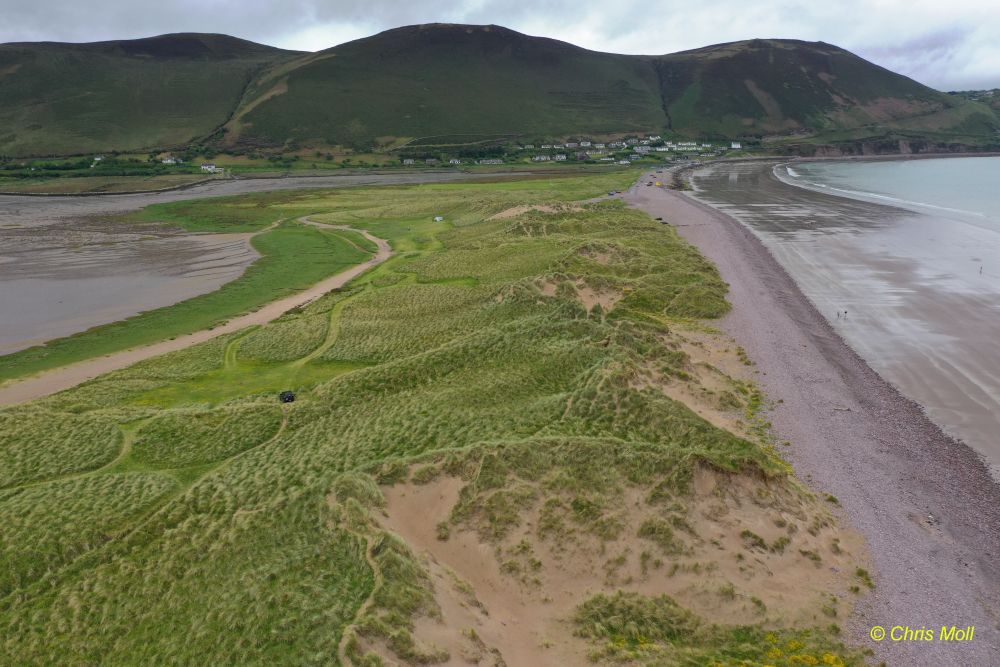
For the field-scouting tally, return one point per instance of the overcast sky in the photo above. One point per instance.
(950, 44)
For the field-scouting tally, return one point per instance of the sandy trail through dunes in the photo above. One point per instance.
(67, 377)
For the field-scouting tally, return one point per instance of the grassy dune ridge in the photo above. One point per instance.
(194, 519)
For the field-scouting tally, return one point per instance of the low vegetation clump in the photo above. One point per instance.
(178, 513)
(629, 627)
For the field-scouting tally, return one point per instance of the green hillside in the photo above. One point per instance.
(788, 87)
(456, 84)
(62, 99)
(449, 79)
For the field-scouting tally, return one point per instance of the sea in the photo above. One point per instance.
(903, 258)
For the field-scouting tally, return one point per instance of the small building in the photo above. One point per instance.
(408, 161)
(541, 158)
(431, 160)
(559, 157)
(546, 146)
(170, 160)
(624, 162)
(736, 145)
(598, 145)
(438, 218)
(634, 157)
(489, 161)
(210, 168)
(454, 160)
(585, 144)
(572, 144)
(528, 147)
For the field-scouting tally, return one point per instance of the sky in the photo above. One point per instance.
(951, 45)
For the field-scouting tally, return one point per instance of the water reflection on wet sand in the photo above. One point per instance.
(903, 288)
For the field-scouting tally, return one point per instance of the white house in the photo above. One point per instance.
(736, 145)
(559, 157)
(598, 145)
(454, 160)
(489, 161)
(624, 162)
(438, 218)
(585, 144)
(170, 160)
(541, 158)
(210, 168)
(571, 144)
(408, 160)
(546, 145)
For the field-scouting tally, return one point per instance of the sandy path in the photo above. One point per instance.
(926, 504)
(66, 377)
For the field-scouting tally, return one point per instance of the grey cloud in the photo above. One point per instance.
(947, 47)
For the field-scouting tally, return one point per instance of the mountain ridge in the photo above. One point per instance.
(454, 79)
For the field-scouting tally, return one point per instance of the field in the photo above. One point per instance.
(177, 512)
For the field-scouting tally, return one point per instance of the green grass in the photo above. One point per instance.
(638, 629)
(293, 257)
(64, 99)
(209, 523)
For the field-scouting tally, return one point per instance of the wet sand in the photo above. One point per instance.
(926, 504)
(66, 377)
(918, 308)
(63, 270)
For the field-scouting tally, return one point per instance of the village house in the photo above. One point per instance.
(541, 158)
(571, 144)
(642, 149)
(528, 146)
(454, 160)
(170, 160)
(607, 159)
(585, 144)
(546, 145)
(654, 137)
(430, 160)
(736, 145)
(634, 156)
(408, 160)
(489, 161)
(662, 149)
(210, 168)
(559, 157)
(631, 142)
(624, 162)
(598, 145)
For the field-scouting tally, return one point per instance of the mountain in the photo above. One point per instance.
(789, 89)
(122, 95)
(434, 80)
(457, 84)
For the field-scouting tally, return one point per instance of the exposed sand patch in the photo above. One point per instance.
(746, 551)
(515, 211)
(588, 296)
(718, 383)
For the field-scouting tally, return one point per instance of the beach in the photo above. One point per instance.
(913, 287)
(925, 503)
